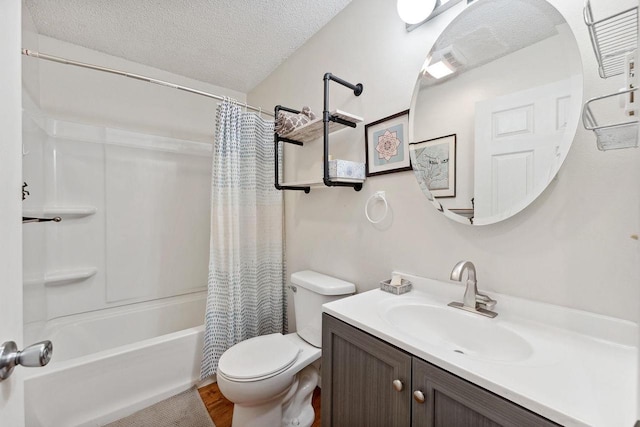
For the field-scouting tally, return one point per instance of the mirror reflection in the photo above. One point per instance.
(495, 109)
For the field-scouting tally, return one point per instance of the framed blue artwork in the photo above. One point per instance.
(434, 164)
(387, 145)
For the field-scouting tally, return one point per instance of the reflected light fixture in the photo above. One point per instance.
(439, 69)
(443, 62)
(415, 11)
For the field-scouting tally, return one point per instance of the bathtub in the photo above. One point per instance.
(110, 363)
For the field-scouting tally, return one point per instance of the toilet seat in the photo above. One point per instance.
(258, 358)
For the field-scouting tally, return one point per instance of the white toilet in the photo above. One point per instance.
(270, 378)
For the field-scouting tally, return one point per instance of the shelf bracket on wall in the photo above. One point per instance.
(277, 139)
(312, 130)
(326, 118)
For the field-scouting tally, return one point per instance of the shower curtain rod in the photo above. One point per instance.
(57, 59)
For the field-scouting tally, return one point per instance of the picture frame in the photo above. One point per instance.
(387, 145)
(434, 163)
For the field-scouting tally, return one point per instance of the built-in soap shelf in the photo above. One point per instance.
(68, 212)
(64, 277)
(615, 43)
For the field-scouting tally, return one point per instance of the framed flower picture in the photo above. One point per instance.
(387, 145)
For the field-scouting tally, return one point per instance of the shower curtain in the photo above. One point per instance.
(246, 287)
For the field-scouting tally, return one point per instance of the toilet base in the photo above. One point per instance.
(293, 407)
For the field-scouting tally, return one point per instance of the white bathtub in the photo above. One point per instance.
(113, 362)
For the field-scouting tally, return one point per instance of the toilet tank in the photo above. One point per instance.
(310, 291)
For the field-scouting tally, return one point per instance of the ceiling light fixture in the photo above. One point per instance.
(429, 10)
(415, 11)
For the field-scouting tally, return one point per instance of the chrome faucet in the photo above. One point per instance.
(473, 301)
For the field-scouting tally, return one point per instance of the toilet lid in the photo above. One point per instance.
(258, 358)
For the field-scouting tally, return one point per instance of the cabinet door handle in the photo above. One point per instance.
(418, 396)
(397, 385)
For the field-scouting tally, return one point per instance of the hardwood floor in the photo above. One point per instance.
(221, 410)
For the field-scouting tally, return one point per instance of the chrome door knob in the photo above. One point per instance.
(418, 396)
(397, 385)
(38, 354)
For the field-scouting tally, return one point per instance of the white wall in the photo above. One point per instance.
(571, 247)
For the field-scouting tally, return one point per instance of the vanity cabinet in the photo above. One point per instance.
(368, 382)
(358, 374)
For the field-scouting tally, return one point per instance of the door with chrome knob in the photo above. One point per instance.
(38, 354)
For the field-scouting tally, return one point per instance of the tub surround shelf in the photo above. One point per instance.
(29, 220)
(320, 127)
(64, 212)
(65, 277)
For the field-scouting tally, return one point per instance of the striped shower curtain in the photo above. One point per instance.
(246, 289)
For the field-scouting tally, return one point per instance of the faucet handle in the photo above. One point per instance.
(485, 301)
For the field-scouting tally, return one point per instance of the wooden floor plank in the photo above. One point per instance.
(221, 410)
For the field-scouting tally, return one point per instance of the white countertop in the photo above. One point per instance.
(582, 372)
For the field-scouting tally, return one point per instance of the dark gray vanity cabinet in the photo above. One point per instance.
(452, 401)
(367, 382)
(358, 374)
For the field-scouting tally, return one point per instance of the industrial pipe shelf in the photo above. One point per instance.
(330, 122)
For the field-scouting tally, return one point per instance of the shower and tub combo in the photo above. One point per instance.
(119, 284)
(118, 230)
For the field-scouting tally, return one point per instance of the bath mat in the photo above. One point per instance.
(182, 410)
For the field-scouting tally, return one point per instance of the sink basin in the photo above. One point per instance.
(461, 332)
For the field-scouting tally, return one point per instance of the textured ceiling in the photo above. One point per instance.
(233, 44)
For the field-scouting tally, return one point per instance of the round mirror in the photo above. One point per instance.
(495, 109)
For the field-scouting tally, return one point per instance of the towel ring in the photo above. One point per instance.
(377, 195)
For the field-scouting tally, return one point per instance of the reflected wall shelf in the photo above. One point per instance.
(329, 123)
(615, 43)
(58, 278)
